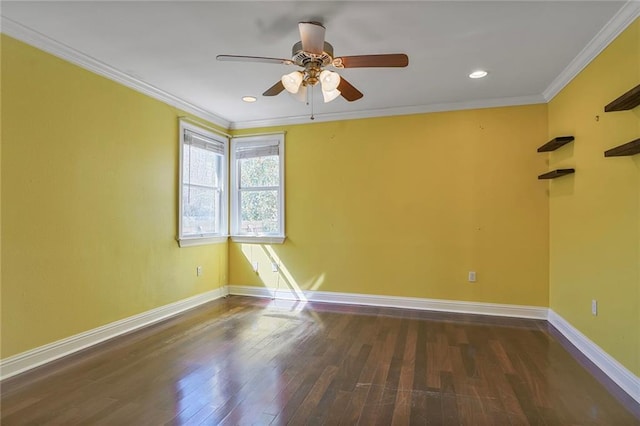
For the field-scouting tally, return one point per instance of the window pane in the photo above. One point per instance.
(201, 167)
(200, 210)
(259, 171)
(259, 212)
(186, 160)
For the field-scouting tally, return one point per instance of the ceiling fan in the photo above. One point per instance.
(315, 55)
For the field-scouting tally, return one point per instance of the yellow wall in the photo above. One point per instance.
(406, 206)
(595, 214)
(89, 203)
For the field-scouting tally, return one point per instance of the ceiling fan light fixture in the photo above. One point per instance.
(292, 81)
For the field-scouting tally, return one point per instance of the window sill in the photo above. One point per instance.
(258, 239)
(201, 241)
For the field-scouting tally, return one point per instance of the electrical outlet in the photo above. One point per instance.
(198, 271)
(274, 267)
(255, 266)
(594, 307)
(472, 276)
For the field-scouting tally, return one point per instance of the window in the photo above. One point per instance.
(257, 181)
(203, 176)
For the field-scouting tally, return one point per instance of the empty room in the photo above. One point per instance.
(331, 213)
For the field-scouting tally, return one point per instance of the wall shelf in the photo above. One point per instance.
(630, 148)
(556, 173)
(555, 143)
(628, 101)
(552, 145)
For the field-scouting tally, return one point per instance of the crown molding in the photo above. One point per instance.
(620, 21)
(49, 45)
(388, 112)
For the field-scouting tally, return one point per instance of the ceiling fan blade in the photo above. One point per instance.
(347, 91)
(312, 37)
(240, 58)
(386, 60)
(274, 90)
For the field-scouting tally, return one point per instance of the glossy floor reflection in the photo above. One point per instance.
(256, 361)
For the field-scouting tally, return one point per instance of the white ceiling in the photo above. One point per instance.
(168, 49)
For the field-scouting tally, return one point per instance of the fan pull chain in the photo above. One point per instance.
(312, 117)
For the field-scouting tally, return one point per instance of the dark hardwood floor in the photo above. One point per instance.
(243, 360)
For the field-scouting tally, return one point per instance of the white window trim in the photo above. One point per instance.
(258, 239)
(201, 241)
(235, 200)
(210, 238)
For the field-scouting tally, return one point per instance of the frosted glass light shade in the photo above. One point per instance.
(330, 95)
(329, 80)
(301, 96)
(292, 81)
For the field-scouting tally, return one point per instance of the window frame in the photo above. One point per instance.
(223, 234)
(269, 238)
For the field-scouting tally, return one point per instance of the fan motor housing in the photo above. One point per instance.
(302, 58)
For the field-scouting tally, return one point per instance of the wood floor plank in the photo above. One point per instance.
(303, 413)
(448, 400)
(404, 396)
(368, 409)
(248, 361)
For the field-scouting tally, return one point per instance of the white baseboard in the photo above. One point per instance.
(516, 311)
(624, 378)
(41, 355)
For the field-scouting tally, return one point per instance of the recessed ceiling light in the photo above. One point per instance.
(478, 74)
(249, 99)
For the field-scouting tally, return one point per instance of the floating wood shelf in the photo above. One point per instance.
(555, 143)
(629, 100)
(630, 148)
(556, 173)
